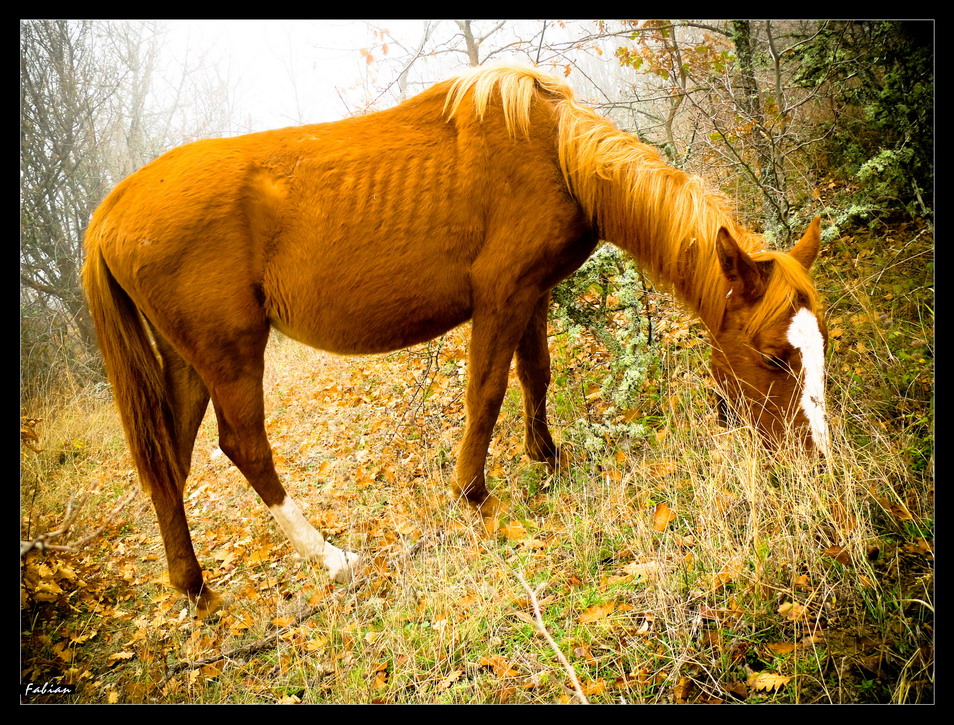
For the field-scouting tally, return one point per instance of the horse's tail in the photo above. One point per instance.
(136, 374)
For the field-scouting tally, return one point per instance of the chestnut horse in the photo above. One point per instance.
(469, 201)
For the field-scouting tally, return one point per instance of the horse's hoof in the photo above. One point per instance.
(207, 604)
(341, 565)
(490, 511)
(562, 461)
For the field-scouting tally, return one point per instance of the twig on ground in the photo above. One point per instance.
(269, 639)
(42, 542)
(571, 673)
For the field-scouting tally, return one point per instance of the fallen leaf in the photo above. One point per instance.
(449, 679)
(793, 611)
(213, 669)
(596, 612)
(120, 656)
(500, 665)
(895, 508)
(728, 573)
(662, 517)
(839, 554)
(596, 687)
(767, 681)
(63, 652)
(514, 531)
(645, 570)
(682, 689)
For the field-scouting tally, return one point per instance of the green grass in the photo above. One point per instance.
(774, 581)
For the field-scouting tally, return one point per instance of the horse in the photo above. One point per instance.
(469, 201)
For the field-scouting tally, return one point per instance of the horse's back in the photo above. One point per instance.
(363, 235)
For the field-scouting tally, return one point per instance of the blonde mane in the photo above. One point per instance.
(667, 219)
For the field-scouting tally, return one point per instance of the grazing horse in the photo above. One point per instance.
(470, 201)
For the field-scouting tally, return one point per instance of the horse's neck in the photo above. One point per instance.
(693, 274)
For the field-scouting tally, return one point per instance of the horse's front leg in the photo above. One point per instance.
(533, 370)
(497, 330)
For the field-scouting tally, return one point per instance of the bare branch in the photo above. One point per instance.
(571, 673)
(73, 507)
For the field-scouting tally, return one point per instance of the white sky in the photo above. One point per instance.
(284, 72)
(280, 72)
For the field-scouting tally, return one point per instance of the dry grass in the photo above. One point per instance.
(684, 567)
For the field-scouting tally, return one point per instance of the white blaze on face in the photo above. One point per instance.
(309, 543)
(805, 335)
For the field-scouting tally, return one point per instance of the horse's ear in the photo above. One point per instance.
(745, 275)
(806, 249)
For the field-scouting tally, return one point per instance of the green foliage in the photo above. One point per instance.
(880, 141)
(603, 299)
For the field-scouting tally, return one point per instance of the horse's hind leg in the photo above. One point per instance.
(533, 370)
(239, 407)
(188, 399)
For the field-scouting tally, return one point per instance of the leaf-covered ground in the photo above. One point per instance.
(676, 566)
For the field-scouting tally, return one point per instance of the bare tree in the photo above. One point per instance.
(728, 94)
(63, 91)
(89, 116)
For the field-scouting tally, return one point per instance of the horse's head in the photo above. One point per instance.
(769, 353)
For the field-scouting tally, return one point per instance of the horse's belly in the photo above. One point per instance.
(370, 319)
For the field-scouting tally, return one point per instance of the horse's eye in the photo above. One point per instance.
(774, 361)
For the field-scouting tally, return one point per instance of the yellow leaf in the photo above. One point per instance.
(524, 617)
(663, 468)
(597, 687)
(793, 611)
(728, 573)
(596, 612)
(283, 621)
(49, 588)
(212, 670)
(682, 689)
(500, 666)
(262, 555)
(662, 517)
(645, 570)
(767, 680)
(449, 679)
(313, 645)
(514, 531)
(63, 571)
